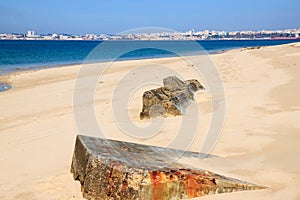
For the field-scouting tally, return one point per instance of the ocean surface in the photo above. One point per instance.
(20, 55)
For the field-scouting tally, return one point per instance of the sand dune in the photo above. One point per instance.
(259, 141)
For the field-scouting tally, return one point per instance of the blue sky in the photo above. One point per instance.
(113, 16)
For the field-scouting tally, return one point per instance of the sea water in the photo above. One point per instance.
(23, 54)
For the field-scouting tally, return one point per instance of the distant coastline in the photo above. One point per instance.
(128, 40)
(189, 35)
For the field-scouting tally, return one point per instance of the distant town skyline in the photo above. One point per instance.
(164, 34)
(112, 17)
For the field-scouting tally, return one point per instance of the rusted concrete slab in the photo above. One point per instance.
(110, 170)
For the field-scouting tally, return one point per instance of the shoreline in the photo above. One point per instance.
(49, 66)
(5, 84)
(4, 78)
(41, 66)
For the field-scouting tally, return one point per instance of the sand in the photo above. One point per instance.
(258, 143)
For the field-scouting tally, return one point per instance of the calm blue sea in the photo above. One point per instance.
(18, 55)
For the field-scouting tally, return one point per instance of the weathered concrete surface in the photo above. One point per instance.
(110, 170)
(170, 100)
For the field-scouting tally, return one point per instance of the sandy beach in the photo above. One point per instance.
(258, 144)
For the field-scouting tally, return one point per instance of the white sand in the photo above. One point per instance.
(259, 142)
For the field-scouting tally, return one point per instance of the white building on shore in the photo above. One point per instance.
(30, 34)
